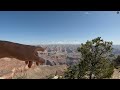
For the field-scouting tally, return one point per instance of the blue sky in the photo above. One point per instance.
(49, 27)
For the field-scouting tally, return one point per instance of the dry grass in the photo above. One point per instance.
(20, 76)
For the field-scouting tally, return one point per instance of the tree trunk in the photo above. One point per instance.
(90, 75)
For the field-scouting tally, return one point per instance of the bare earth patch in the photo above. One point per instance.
(116, 74)
(40, 72)
(36, 72)
(7, 64)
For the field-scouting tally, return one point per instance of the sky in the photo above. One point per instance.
(59, 27)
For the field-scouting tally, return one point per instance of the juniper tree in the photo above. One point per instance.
(95, 62)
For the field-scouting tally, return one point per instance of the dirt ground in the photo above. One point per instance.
(7, 65)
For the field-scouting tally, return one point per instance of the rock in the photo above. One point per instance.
(55, 77)
(2, 78)
(54, 63)
(49, 63)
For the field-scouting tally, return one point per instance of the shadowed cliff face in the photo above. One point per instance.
(22, 52)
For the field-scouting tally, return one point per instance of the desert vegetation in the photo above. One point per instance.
(96, 62)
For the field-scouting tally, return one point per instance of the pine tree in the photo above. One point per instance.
(95, 62)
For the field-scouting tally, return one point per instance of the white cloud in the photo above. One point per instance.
(66, 42)
(61, 42)
(87, 13)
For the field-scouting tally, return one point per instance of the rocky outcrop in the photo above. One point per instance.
(54, 63)
(49, 63)
(22, 52)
